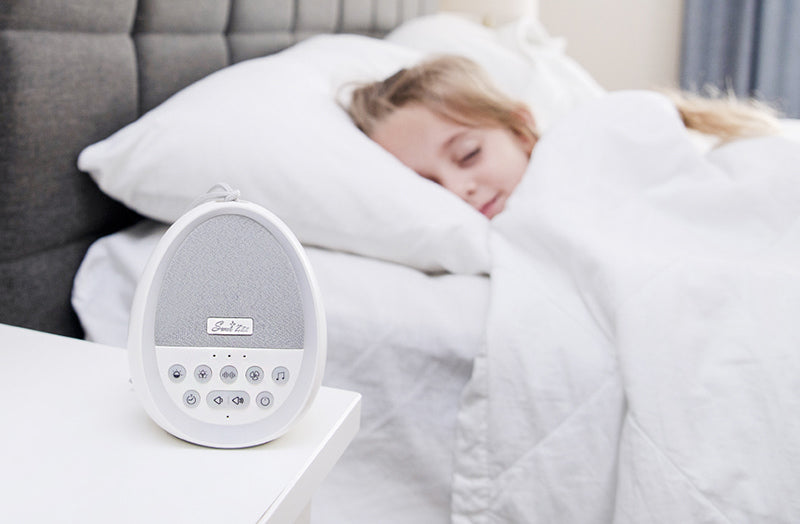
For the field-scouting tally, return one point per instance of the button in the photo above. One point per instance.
(176, 373)
(228, 399)
(217, 399)
(280, 375)
(228, 374)
(264, 399)
(202, 373)
(239, 399)
(254, 374)
(191, 398)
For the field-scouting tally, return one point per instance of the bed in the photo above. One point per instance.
(620, 345)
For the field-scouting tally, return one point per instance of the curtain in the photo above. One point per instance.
(750, 47)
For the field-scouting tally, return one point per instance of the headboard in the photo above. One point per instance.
(72, 72)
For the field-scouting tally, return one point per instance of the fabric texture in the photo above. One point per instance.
(521, 58)
(641, 361)
(291, 148)
(750, 47)
(60, 89)
(74, 72)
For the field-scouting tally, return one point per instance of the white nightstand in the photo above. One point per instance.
(75, 446)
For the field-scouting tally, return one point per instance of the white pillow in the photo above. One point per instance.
(271, 127)
(521, 58)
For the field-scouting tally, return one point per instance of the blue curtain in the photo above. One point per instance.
(751, 47)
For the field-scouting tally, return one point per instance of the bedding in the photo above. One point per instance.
(403, 338)
(629, 357)
(275, 140)
(520, 56)
(641, 362)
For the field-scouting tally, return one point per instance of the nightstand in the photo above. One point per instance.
(76, 446)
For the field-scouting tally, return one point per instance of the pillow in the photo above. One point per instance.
(520, 57)
(271, 127)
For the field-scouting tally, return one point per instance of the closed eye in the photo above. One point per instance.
(469, 157)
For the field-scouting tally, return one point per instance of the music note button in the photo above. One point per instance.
(280, 375)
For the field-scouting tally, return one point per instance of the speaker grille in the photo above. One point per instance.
(230, 266)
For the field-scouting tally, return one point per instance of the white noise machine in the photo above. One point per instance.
(227, 337)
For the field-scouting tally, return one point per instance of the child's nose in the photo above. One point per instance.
(465, 189)
(457, 183)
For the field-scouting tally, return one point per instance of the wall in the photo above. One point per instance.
(623, 43)
(494, 12)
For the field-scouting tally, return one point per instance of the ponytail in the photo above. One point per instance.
(725, 117)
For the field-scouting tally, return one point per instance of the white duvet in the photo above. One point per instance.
(643, 338)
(640, 338)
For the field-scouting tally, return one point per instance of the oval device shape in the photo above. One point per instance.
(227, 337)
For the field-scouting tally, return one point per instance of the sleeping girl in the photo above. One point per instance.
(444, 119)
(638, 285)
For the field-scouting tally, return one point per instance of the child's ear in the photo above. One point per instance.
(524, 115)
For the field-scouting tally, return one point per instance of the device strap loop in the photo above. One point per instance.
(220, 191)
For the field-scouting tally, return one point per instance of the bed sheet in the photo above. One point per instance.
(642, 358)
(402, 338)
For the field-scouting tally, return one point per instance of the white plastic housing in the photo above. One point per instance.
(201, 425)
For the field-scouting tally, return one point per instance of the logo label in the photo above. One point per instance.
(229, 326)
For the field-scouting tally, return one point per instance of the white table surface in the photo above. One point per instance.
(76, 446)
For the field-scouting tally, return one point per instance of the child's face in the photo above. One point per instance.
(482, 165)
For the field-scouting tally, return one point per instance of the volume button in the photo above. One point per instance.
(228, 399)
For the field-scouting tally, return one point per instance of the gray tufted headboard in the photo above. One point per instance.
(72, 72)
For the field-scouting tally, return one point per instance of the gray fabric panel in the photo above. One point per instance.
(244, 273)
(258, 16)
(182, 16)
(70, 74)
(68, 15)
(368, 16)
(317, 16)
(168, 62)
(387, 16)
(36, 293)
(69, 90)
(358, 15)
(243, 46)
(260, 27)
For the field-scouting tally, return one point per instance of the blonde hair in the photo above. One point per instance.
(458, 89)
(725, 116)
(454, 87)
